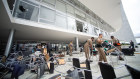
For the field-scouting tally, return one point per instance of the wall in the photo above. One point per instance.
(125, 33)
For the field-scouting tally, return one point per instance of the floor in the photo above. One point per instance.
(133, 61)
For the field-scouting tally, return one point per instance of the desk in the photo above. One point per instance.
(128, 51)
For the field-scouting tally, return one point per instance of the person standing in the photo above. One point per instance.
(49, 48)
(99, 41)
(71, 48)
(132, 44)
(88, 46)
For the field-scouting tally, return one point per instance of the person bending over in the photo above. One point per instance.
(117, 44)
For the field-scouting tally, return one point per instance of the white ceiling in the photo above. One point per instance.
(108, 10)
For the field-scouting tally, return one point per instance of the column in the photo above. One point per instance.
(9, 42)
(77, 43)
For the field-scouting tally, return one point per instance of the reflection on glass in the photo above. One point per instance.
(71, 24)
(61, 21)
(85, 29)
(96, 30)
(50, 3)
(88, 19)
(70, 10)
(101, 32)
(93, 29)
(105, 33)
(47, 14)
(79, 14)
(92, 21)
(45, 21)
(60, 6)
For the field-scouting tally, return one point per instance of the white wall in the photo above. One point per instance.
(125, 33)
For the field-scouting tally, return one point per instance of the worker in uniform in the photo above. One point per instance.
(99, 41)
(88, 46)
(117, 44)
(70, 48)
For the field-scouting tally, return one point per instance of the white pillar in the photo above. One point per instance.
(9, 43)
(77, 43)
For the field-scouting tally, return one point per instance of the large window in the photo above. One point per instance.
(101, 32)
(11, 3)
(47, 14)
(85, 28)
(61, 21)
(50, 3)
(96, 31)
(93, 22)
(88, 19)
(70, 10)
(90, 29)
(60, 6)
(93, 29)
(27, 11)
(79, 26)
(80, 15)
(46, 22)
(71, 24)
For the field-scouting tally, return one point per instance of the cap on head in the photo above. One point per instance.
(100, 35)
(112, 37)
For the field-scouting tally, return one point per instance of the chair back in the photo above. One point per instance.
(88, 74)
(107, 71)
(76, 62)
(88, 64)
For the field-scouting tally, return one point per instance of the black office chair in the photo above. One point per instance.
(76, 63)
(88, 64)
(135, 74)
(88, 74)
(107, 71)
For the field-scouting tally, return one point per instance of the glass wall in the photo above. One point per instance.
(60, 14)
(50, 3)
(60, 6)
(85, 28)
(70, 10)
(79, 26)
(80, 15)
(61, 21)
(97, 31)
(26, 10)
(47, 14)
(71, 24)
(91, 29)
